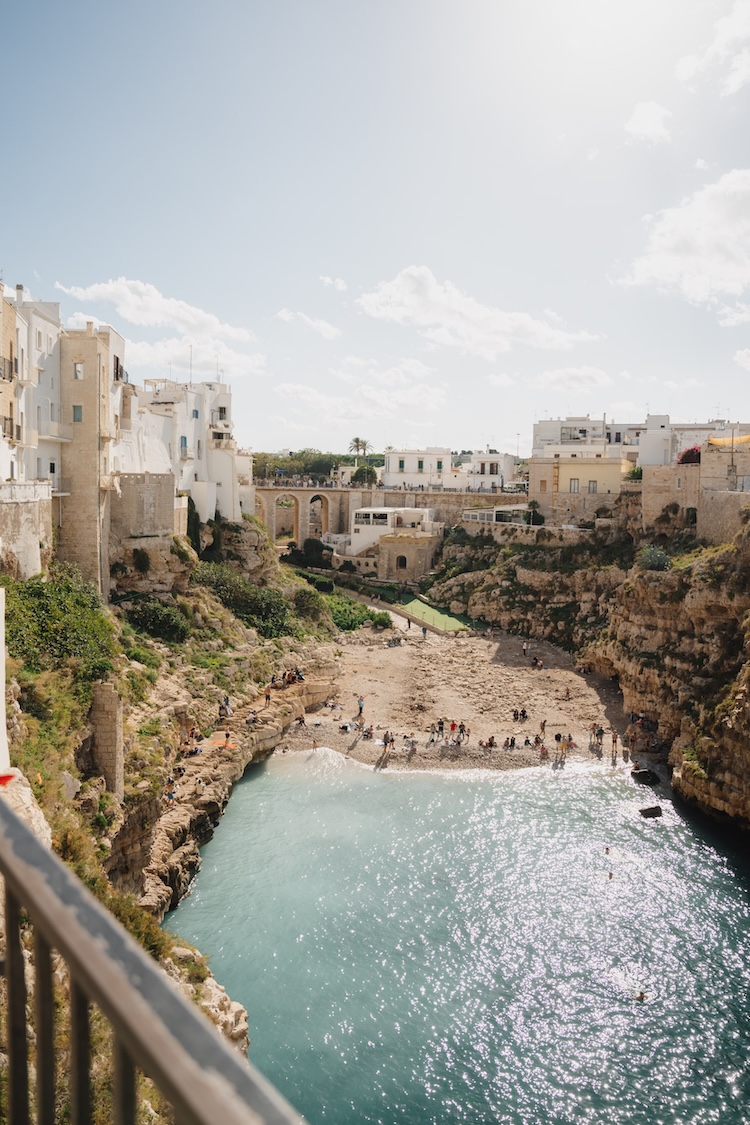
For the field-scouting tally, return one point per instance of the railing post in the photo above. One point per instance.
(80, 1051)
(124, 1086)
(18, 1063)
(45, 1032)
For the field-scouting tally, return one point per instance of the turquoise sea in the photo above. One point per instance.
(427, 948)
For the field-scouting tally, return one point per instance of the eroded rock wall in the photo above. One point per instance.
(677, 640)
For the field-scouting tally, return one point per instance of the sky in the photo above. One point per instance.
(414, 222)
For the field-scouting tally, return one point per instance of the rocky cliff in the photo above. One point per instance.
(676, 639)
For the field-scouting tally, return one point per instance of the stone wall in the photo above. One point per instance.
(143, 505)
(666, 485)
(105, 718)
(720, 515)
(25, 529)
(406, 557)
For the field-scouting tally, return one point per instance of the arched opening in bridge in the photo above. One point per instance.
(286, 522)
(319, 515)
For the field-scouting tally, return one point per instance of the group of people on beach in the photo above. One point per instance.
(449, 733)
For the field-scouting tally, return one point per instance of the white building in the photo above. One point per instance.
(187, 428)
(39, 430)
(392, 543)
(655, 441)
(421, 469)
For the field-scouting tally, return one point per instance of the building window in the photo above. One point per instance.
(542, 486)
(195, 413)
(222, 413)
(440, 466)
(77, 413)
(618, 436)
(493, 468)
(77, 370)
(574, 484)
(39, 339)
(679, 482)
(592, 486)
(52, 468)
(420, 466)
(401, 464)
(401, 562)
(200, 449)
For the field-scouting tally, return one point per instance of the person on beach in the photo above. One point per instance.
(268, 694)
(361, 705)
(424, 632)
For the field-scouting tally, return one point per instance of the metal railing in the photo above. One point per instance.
(154, 1028)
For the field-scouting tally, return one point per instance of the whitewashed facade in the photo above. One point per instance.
(421, 469)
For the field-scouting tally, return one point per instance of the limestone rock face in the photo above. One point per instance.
(205, 788)
(157, 565)
(243, 546)
(678, 641)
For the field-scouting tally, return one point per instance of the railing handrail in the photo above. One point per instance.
(164, 1035)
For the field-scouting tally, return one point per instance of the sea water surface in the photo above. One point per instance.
(427, 948)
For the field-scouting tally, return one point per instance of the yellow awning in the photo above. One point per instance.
(729, 441)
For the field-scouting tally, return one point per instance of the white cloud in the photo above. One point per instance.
(686, 385)
(173, 355)
(322, 327)
(701, 248)
(647, 123)
(338, 283)
(592, 153)
(501, 380)
(726, 50)
(446, 316)
(743, 358)
(142, 304)
(700, 164)
(573, 379)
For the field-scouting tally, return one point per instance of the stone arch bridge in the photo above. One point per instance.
(318, 510)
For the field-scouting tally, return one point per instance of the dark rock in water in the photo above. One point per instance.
(644, 776)
(651, 811)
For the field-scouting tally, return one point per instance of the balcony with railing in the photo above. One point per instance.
(221, 441)
(7, 371)
(154, 1029)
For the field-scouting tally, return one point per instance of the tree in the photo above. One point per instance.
(365, 474)
(360, 445)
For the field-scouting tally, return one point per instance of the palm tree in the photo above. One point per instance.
(359, 445)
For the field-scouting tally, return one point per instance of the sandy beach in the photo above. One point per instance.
(475, 680)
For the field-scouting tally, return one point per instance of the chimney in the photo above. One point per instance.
(89, 328)
(19, 294)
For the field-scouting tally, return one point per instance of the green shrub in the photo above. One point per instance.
(261, 608)
(59, 620)
(324, 585)
(349, 615)
(651, 557)
(309, 603)
(152, 616)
